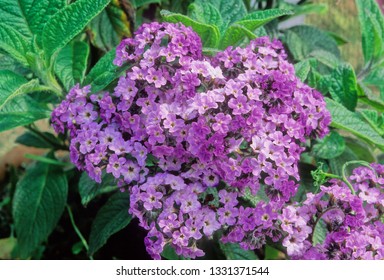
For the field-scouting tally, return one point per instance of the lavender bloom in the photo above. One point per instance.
(179, 124)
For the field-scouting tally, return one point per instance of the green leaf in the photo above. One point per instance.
(139, 3)
(230, 10)
(14, 43)
(9, 63)
(13, 85)
(307, 8)
(344, 119)
(104, 72)
(375, 77)
(89, 189)
(32, 139)
(208, 33)
(15, 107)
(310, 8)
(336, 164)
(234, 35)
(365, 95)
(38, 204)
(374, 119)
(372, 28)
(342, 86)
(233, 251)
(46, 160)
(71, 63)
(21, 110)
(360, 149)
(169, 253)
(271, 253)
(302, 40)
(68, 22)
(111, 218)
(29, 16)
(326, 58)
(110, 26)
(302, 69)
(331, 146)
(6, 247)
(340, 40)
(249, 23)
(205, 13)
(319, 233)
(259, 18)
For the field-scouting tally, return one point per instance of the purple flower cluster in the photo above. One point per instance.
(351, 224)
(188, 135)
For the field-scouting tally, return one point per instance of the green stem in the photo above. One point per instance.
(45, 138)
(364, 163)
(365, 71)
(78, 232)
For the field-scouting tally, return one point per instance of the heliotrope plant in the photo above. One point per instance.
(205, 139)
(190, 136)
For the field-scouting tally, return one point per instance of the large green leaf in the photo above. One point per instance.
(104, 72)
(342, 85)
(111, 218)
(325, 57)
(29, 16)
(71, 63)
(208, 33)
(9, 63)
(13, 85)
(233, 251)
(331, 146)
(359, 148)
(302, 40)
(14, 43)
(230, 10)
(259, 18)
(234, 36)
(16, 108)
(308, 8)
(375, 77)
(204, 12)
(250, 22)
(368, 97)
(68, 22)
(344, 119)
(302, 69)
(89, 189)
(21, 110)
(46, 140)
(374, 119)
(110, 26)
(38, 204)
(372, 28)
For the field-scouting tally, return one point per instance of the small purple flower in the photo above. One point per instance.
(152, 199)
(115, 165)
(239, 105)
(227, 215)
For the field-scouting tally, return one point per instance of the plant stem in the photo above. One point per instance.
(78, 232)
(45, 138)
(364, 163)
